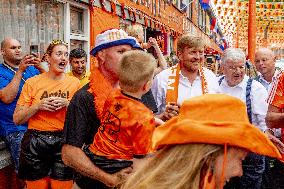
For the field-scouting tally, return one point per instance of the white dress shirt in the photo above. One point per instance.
(186, 89)
(258, 96)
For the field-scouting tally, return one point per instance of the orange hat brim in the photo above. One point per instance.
(238, 134)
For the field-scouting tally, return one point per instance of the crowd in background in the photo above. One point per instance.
(168, 122)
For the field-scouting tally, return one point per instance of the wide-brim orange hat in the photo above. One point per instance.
(214, 119)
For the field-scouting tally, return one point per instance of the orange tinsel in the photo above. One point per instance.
(100, 88)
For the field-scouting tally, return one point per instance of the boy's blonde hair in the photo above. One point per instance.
(135, 30)
(135, 69)
(190, 41)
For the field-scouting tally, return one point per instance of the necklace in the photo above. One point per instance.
(11, 69)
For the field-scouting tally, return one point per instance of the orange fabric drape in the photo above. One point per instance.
(101, 21)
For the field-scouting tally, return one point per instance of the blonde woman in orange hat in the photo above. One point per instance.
(203, 147)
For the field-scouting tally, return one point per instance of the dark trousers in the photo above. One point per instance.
(253, 169)
(273, 174)
(108, 165)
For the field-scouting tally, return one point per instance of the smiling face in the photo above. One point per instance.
(191, 58)
(233, 167)
(234, 71)
(78, 65)
(58, 59)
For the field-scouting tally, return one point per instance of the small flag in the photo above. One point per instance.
(213, 23)
(204, 4)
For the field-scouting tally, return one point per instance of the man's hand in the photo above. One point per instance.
(118, 178)
(276, 142)
(28, 60)
(158, 121)
(172, 109)
(152, 42)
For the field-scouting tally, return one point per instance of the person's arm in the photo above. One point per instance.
(74, 157)
(162, 63)
(80, 125)
(9, 93)
(259, 104)
(274, 117)
(23, 113)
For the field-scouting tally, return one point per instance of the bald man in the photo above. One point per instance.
(269, 77)
(265, 64)
(14, 71)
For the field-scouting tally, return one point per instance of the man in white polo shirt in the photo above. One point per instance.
(186, 79)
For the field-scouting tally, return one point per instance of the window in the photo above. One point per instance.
(32, 22)
(77, 20)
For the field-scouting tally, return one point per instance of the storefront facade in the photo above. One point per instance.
(37, 22)
(160, 19)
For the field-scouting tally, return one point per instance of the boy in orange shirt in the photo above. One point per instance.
(126, 124)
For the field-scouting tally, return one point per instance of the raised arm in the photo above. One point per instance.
(9, 93)
(162, 63)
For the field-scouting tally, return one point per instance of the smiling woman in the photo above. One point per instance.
(42, 104)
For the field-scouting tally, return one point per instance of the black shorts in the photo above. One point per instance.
(41, 156)
(108, 165)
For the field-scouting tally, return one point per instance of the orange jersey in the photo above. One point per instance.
(39, 87)
(276, 95)
(126, 128)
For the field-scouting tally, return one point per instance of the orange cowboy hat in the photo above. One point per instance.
(214, 119)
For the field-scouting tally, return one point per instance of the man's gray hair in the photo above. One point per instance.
(233, 54)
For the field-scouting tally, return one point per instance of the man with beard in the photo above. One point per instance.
(186, 79)
(14, 71)
(253, 94)
(78, 60)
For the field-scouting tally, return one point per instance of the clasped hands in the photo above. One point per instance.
(53, 104)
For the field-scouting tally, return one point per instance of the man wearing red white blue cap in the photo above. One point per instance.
(82, 119)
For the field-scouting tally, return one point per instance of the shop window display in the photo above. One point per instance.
(32, 22)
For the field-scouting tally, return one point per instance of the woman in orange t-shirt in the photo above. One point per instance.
(43, 104)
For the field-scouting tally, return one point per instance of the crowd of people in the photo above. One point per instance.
(133, 122)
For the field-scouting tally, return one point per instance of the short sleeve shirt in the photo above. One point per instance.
(7, 125)
(126, 129)
(81, 121)
(40, 87)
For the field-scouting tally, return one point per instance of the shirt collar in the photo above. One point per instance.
(241, 85)
(274, 76)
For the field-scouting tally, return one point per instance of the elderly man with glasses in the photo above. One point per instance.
(234, 82)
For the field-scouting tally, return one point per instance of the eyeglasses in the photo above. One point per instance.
(236, 68)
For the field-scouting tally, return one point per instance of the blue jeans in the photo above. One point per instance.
(253, 169)
(13, 142)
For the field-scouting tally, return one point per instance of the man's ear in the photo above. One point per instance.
(147, 85)
(101, 56)
(2, 52)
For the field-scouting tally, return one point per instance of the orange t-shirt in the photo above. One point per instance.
(39, 87)
(276, 95)
(126, 128)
